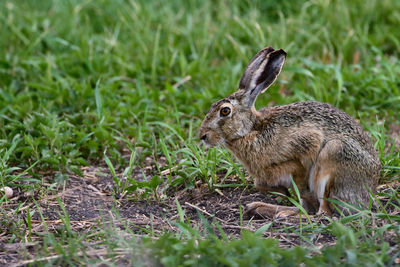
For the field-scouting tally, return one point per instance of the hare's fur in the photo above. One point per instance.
(324, 150)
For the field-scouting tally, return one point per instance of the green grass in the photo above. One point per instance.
(89, 82)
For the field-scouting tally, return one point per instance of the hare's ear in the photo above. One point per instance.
(261, 73)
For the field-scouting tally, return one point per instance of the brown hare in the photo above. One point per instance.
(324, 150)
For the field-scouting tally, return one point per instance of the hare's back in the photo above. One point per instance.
(332, 122)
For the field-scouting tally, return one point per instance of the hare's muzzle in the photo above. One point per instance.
(203, 137)
(202, 134)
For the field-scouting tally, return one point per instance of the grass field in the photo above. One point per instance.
(100, 103)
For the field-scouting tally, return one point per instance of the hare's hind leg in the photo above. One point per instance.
(323, 175)
(343, 172)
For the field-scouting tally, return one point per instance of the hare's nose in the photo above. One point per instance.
(204, 137)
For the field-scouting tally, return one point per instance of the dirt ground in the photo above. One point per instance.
(89, 202)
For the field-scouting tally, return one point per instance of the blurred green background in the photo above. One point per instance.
(80, 77)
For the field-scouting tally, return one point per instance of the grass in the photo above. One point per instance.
(124, 83)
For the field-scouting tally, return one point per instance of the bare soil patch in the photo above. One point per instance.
(89, 202)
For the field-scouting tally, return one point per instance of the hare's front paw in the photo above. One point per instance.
(261, 209)
(269, 211)
(286, 213)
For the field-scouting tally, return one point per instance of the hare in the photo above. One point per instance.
(324, 150)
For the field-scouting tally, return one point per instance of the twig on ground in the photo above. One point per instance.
(205, 212)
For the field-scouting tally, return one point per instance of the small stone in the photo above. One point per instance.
(7, 191)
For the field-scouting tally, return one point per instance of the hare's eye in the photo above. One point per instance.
(225, 111)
